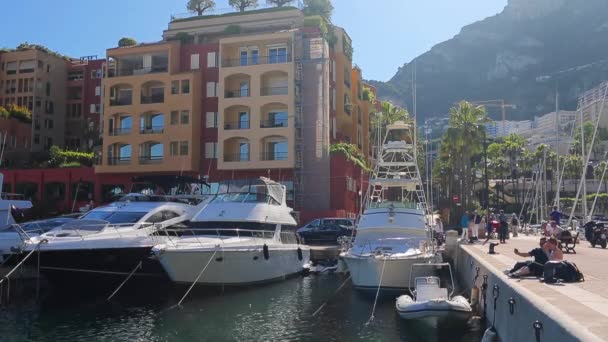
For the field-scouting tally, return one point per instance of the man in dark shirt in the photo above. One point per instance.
(539, 255)
(556, 215)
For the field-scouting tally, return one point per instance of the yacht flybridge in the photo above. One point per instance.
(392, 232)
(245, 235)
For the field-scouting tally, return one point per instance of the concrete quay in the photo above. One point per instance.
(567, 312)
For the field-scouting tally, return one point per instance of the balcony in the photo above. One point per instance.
(150, 159)
(236, 125)
(156, 62)
(119, 160)
(243, 92)
(266, 156)
(156, 98)
(272, 91)
(273, 123)
(121, 102)
(256, 60)
(152, 130)
(236, 157)
(120, 131)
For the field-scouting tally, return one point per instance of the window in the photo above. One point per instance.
(255, 55)
(48, 89)
(37, 139)
(98, 91)
(277, 119)
(243, 120)
(333, 70)
(184, 117)
(185, 86)
(174, 87)
(243, 151)
(92, 109)
(173, 148)
(244, 57)
(244, 89)
(194, 61)
(211, 89)
(277, 55)
(48, 68)
(11, 68)
(211, 150)
(277, 150)
(333, 98)
(211, 120)
(211, 59)
(183, 148)
(347, 75)
(174, 117)
(347, 104)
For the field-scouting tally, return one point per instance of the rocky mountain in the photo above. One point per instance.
(502, 57)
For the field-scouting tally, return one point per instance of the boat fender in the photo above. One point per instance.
(266, 253)
(490, 335)
(300, 257)
(474, 297)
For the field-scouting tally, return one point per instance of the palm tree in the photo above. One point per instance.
(465, 138)
(513, 147)
(389, 115)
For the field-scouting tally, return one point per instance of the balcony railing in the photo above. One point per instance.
(140, 71)
(121, 102)
(120, 131)
(26, 71)
(237, 157)
(152, 130)
(275, 91)
(158, 98)
(229, 94)
(236, 125)
(274, 155)
(150, 159)
(273, 123)
(259, 60)
(119, 160)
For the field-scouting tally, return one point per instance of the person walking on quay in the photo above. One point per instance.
(464, 223)
(438, 231)
(514, 225)
(556, 215)
(503, 229)
(476, 223)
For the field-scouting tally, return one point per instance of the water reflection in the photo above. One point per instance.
(280, 311)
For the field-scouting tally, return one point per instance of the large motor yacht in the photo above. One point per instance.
(245, 235)
(113, 239)
(392, 233)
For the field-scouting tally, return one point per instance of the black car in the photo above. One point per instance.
(326, 231)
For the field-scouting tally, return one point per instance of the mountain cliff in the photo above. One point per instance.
(502, 57)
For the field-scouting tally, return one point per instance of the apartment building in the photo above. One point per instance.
(36, 79)
(83, 103)
(151, 115)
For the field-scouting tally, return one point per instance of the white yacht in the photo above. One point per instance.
(114, 238)
(11, 205)
(392, 233)
(245, 235)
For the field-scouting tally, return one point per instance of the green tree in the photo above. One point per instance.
(323, 8)
(599, 171)
(4, 113)
(200, 6)
(466, 131)
(243, 5)
(279, 3)
(126, 41)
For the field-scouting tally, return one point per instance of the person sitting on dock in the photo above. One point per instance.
(539, 254)
(554, 230)
(536, 269)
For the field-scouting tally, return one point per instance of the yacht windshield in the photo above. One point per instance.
(260, 190)
(115, 217)
(37, 226)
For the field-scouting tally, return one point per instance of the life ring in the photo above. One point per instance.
(266, 253)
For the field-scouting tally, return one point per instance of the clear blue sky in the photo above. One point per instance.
(385, 33)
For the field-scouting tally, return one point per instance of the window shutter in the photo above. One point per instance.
(194, 61)
(92, 108)
(211, 59)
(97, 91)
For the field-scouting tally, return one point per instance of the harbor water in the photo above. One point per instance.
(281, 311)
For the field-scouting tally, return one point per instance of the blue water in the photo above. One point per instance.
(280, 311)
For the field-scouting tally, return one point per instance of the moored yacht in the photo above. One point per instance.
(245, 235)
(113, 239)
(392, 232)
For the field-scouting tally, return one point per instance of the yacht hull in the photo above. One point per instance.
(232, 266)
(110, 262)
(366, 271)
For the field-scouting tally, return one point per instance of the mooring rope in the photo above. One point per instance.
(137, 267)
(196, 280)
(330, 298)
(371, 318)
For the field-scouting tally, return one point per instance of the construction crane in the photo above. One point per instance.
(497, 103)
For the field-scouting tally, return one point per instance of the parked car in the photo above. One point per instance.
(326, 231)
